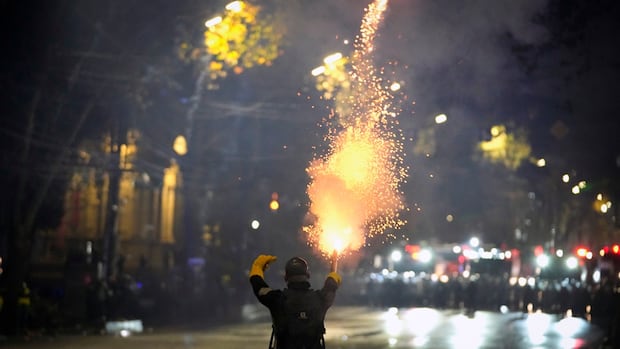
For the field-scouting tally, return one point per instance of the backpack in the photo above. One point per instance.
(301, 320)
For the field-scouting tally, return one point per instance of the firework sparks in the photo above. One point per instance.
(354, 188)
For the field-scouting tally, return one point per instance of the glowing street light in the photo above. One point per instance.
(328, 61)
(565, 178)
(235, 6)
(180, 145)
(213, 21)
(318, 71)
(333, 58)
(441, 118)
(541, 162)
(395, 86)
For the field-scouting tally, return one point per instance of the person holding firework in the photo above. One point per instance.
(297, 311)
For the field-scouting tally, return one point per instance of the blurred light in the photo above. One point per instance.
(449, 218)
(395, 87)
(125, 333)
(318, 71)
(213, 21)
(542, 261)
(441, 118)
(537, 325)
(559, 252)
(565, 178)
(457, 249)
(575, 190)
(419, 341)
(604, 208)
(425, 256)
(396, 256)
(599, 196)
(235, 6)
(474, 242)
(582, 251)
(376, 261)
(495, 130)
(582, 184)
(274, 205)
(334, 57)
(471, 254)
(572, 262)
(180, 145)
(541, 162)
(568, 342)
(538, 250)
(255, 224)
(393, 325)
(589, 255)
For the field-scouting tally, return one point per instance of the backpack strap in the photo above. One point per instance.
(272, 340)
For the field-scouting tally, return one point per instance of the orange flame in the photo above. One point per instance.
(354, 188)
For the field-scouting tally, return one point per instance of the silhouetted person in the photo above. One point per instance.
(297, 312)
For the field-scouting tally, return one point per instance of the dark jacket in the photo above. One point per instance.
(274, 300)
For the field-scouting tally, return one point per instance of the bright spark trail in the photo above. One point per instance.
(354, 188)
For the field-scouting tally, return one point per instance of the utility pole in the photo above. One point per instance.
(190, 204)
(110, 229)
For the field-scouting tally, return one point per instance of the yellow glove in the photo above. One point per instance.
(260, 264)
(335, 276)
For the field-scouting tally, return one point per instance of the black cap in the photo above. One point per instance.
(296, 269)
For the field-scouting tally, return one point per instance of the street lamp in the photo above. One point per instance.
(180, 145)
(441, 118)
(328, 61)
(213, 21)
(255, 224)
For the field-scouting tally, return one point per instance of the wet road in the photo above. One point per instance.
(364, 328)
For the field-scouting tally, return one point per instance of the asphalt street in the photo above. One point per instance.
(361, 328)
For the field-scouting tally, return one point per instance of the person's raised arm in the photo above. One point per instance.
(257, 278)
